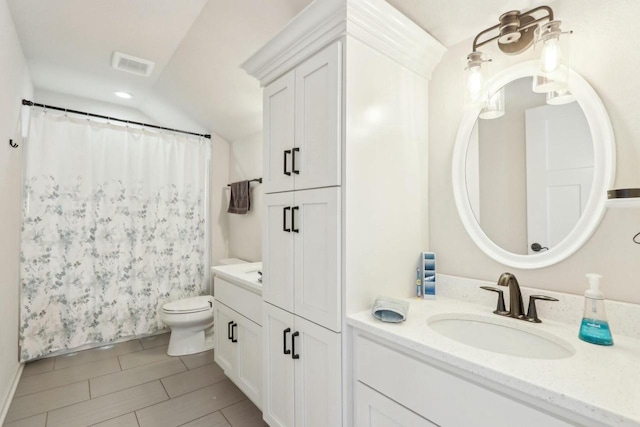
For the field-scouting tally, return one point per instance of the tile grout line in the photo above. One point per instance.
(92, 361)
(54, 409)
(135, 414)
(48, 389)
(223, 416)
(74, 382)
(184, 364)
(112, 418)
(103, 375)
(97, 348)
(192, 391)
(195, 389)
(206, 415)
(148, 382)
(123, 389)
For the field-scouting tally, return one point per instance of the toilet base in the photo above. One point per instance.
(185, 341)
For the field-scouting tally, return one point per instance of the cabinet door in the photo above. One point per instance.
(376, 410)
(317, 375)
(278, 367)
(249, 372)
(278, 115)
(317, 247)
(277, 251)
(226, 354)
(318, 130)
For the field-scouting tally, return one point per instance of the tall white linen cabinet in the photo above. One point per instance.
(346, 181)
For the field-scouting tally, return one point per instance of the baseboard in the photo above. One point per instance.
(12, 391)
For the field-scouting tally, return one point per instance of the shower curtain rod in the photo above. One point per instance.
(66, 110)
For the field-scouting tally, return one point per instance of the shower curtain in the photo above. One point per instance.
(114, 225)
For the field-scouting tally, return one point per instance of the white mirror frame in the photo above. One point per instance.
(604, 172)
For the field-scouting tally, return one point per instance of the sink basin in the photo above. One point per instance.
(501, 335)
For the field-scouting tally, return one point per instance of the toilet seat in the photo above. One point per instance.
(189, 305)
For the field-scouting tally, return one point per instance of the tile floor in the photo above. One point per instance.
(132, 384)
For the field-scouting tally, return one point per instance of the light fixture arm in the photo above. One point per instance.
(515, 33)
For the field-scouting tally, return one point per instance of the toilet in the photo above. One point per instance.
(189, 319)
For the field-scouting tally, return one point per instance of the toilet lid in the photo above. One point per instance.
(189, 305)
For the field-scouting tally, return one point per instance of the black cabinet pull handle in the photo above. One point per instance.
(293, 216)
(293, 345)
(233, 335)
(285, 163)
(293, 161)
(284, 219)
(284, 341)
(229, 329)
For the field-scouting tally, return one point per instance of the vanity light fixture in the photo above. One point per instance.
(560, 97)
(495, 106)
(516, 32)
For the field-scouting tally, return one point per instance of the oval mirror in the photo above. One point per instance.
(530, 178)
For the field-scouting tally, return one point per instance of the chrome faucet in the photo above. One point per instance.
(516, 307)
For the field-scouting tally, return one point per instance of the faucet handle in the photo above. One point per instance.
(532, 313)
(500, 309)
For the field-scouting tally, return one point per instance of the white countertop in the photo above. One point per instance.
(601, 383)
(244, 275)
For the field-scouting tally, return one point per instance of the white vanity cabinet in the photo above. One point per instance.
(302, 132)
(302, 376)
(302, 254)
(238, 337)
(396, 388)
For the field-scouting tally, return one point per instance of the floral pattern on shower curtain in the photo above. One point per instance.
(114, 225)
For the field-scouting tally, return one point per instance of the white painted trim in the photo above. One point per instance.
(7, 403)
(604, 173)
(374, 22)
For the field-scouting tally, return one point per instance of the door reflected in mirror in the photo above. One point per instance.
(529, 172)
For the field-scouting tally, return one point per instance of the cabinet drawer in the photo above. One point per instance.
(374, 409)
(442, 397)
(239, 299)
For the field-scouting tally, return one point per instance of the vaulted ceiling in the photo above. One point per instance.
(197, 46)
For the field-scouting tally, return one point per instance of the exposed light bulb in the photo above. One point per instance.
(551, 56)
(475, 93)
(474, 82)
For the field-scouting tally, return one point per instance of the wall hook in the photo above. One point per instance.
(636, 239)
(11, 143)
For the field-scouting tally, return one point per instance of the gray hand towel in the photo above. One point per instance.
(240, 202)
(390, 309)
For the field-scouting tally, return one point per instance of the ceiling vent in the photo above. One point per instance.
(131, 64)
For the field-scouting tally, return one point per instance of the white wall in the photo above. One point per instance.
(15, 85)
(219, 217)
(245, 231)
(604, 50)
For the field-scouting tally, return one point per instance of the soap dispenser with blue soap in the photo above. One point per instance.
(595, 328)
